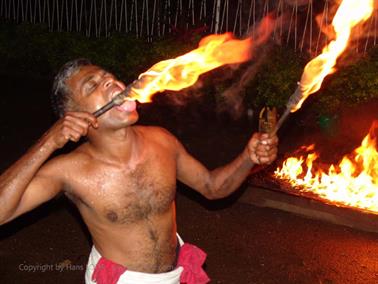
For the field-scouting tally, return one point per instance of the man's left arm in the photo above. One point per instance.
(222, 181)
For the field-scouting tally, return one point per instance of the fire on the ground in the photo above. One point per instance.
(352, 182)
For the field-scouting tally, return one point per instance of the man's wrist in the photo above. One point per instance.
(46, 144)
(247, 157)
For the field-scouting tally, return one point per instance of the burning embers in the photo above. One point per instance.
(353, 182)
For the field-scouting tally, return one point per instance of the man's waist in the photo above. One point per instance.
(188, 269)
(142, 256)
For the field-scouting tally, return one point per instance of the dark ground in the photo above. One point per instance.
(245, 244)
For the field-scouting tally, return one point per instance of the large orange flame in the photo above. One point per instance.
(349, 14)
(183, 71)
(353, 182)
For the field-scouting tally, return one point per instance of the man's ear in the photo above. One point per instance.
(72, 105)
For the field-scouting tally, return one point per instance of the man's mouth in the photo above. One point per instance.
(127, 106)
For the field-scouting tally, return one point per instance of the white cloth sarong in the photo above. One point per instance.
(133, 277)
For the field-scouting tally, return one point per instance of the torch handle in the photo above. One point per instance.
(116, 101)
(282, 119)
(295, 99)
(104, 109)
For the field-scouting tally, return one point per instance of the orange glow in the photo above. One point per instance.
(349, 14)
(183, 71)
(353, 182)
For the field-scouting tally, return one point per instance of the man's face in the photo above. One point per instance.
(93, 87)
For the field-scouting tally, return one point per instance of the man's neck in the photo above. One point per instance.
(115, 145)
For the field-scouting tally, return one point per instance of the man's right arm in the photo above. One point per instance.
(28, 183)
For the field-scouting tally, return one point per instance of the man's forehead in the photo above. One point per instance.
(86, 71)
(81, 75)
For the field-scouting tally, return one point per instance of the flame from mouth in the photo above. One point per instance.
(183, 71)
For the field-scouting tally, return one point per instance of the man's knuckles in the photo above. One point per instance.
(77, 124)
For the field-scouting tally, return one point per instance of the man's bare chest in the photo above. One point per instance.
(127, 194)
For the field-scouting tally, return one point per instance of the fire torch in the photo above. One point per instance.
(294, 103)
(117, 100)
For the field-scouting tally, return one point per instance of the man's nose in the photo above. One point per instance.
(108, 82)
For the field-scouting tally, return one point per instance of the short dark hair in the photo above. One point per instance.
(61, 94)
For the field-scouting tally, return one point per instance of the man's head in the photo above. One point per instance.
(61, 96)
(82, 86)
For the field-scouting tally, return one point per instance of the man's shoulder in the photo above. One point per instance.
(159, 135)
(155, 132)
(71, 160)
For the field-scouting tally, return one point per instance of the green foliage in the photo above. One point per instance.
(277, 79)
(32, 49)
(354, 84)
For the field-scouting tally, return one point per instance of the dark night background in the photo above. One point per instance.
(244, 243)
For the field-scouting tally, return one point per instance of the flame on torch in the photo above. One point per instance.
(349, 14)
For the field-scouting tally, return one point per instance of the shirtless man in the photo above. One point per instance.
(122, 178)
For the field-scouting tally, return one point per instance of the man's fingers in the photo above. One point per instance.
(254, 141)
(264, 153)
(266, 149)
(255, 158)
(90, 118)
(80, 121)
(263, 148)
(72, 133)
(269, 141)
(81, 128)
(265, 160)
(75, 137)
(77, 122)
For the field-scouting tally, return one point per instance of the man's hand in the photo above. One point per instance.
(72, 126)
(29, 182)
(262, 148)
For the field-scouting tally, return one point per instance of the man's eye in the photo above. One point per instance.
(91, 87)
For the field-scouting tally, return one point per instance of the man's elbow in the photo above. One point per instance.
(218, 190)
(6, 216)
(5, 219)
(210, 196)
(3, 222)
(213, 193)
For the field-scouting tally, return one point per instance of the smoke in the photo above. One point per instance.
(230, 82)
(231, 100)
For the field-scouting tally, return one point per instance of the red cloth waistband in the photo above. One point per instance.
(191, 258)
